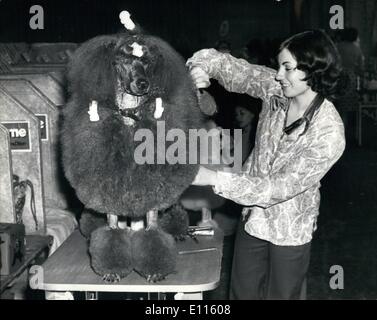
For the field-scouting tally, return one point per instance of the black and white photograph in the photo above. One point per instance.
(214, 151)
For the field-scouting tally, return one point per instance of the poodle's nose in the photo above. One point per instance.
(142, 84)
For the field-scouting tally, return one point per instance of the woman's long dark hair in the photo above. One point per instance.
(318, 57)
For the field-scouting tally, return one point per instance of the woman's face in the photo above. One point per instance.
(289, 76)
(243, 117)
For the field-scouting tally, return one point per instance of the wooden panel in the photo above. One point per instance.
(45, 83)
(59, 76)
(27, 164)
(4, 67)
(198, 269)
(36, 68)
(29, 96)
(7, 213)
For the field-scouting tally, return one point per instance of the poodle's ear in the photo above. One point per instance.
(91, 70)
(169, 65)
(154, 51)
(157, 59)
(160, 70)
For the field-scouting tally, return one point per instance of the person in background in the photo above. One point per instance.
(299, 137)
(350, 52)
(223, 46)
(246, 118)
(353, 65)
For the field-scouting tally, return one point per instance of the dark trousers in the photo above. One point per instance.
(262, 270)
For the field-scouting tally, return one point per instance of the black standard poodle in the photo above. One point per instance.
(119, 85)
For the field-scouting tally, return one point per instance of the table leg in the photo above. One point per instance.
(91, 295)
(161, 296)
(359, 124)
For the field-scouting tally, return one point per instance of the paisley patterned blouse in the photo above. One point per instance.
(279, 183)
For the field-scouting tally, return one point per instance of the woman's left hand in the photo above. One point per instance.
(205, 177)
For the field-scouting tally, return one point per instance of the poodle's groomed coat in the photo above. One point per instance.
(98, 155)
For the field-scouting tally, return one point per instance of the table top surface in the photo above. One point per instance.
(198, 269)
(34, 245)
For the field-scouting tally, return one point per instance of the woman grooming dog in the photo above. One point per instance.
(300, 136)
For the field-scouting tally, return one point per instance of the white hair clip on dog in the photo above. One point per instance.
(159, 109)
(125, 19)
(93, 111)
(137, 50)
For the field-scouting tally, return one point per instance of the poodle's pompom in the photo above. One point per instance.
(110, 252)
(154, 254)
(174, 221)
(90, 221)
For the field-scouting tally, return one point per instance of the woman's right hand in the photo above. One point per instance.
(200, 77)
(200, 66)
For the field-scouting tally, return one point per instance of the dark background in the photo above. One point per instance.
(187, 24)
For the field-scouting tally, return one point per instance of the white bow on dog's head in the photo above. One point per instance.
(125, 19)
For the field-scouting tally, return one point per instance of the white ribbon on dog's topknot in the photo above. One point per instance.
(125, 19)
(137, 50)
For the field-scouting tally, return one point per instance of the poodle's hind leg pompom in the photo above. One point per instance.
(110, 252)
(174, 221)
(90, 221)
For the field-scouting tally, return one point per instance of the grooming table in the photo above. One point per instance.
(198, 269)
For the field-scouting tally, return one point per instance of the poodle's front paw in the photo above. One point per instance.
(154, 254)
(174, 221)
(111, 278)
(110, 253)
(90, 221)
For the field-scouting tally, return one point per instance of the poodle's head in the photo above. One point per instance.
(132, 68)
(135, 63)
(135, 75)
